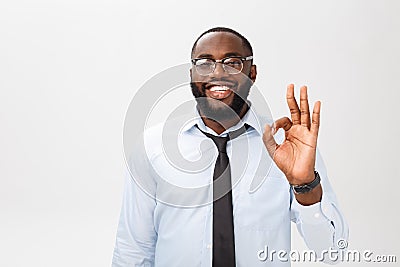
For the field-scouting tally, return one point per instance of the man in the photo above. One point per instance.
(244, 211)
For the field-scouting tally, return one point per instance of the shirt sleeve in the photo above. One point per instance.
(322, 224)
(136, 236)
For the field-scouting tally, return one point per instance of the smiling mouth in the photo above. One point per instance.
(220, 91)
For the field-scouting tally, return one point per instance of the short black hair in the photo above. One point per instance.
(224, 29)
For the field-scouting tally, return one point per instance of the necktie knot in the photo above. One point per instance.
(220, 142)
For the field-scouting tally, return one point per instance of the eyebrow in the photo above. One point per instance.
(230, 54)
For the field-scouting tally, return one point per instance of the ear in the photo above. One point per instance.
(253, 73)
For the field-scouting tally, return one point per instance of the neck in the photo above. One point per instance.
(220, 127)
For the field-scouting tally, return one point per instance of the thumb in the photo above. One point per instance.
(269, 140)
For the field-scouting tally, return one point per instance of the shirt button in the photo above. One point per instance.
(209, 246)
(316, 215)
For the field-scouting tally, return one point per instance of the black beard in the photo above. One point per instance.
(225, 113)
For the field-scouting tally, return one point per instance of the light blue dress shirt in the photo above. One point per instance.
(163, 226)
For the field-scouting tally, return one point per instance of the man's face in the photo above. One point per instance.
(219, 93)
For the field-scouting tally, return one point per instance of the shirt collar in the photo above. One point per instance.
(252, 118)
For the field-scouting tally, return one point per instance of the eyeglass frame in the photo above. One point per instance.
(243, 59)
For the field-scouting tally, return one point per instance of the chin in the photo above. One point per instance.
(218, 109)
(217, 104)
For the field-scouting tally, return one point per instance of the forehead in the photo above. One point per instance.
(219, 45)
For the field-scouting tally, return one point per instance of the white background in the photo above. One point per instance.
(68, 70)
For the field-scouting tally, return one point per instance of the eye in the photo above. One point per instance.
(233, 62)
(204, 62)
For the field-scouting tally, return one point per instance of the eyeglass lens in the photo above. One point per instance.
(231, 65)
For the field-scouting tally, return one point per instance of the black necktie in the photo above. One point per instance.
(223, 233)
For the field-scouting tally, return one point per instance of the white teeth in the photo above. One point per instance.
(219, 88)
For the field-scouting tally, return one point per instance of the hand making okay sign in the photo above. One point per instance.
(295, 157)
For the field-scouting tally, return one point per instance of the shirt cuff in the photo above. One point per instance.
(314, 214)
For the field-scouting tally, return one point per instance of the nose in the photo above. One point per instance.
(219, 71)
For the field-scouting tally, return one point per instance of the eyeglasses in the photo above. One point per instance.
(232, 65)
